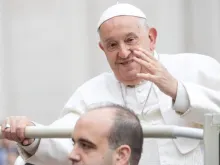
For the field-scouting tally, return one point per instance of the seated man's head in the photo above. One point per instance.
(122, 29)
(107, 135)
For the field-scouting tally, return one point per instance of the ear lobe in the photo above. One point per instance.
(123, 154)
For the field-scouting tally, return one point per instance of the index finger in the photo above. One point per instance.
(147, 52)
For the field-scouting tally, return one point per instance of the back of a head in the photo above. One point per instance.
(126, 130)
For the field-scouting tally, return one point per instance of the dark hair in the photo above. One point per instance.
(126, 129)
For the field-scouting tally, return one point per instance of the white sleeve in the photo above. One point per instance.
(204, 94)
(181, 104)
(202, 101)
(30, 149)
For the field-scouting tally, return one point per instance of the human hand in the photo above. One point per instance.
(156, 72)
(13, 128)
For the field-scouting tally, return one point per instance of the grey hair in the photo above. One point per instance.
(126, 129)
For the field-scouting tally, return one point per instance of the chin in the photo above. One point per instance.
(130, 79)
(130, 75)
(131, 82)
(127, 76)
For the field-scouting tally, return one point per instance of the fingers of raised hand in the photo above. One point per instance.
(142, 55)
(151, 68)
(148, 77)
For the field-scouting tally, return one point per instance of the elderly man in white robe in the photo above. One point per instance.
(162, 89)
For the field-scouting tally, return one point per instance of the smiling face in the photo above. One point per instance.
(118, 37)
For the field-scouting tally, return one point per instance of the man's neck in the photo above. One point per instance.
(135, 85)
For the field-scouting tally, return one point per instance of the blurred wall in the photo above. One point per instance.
(46, 49)
(2, 90)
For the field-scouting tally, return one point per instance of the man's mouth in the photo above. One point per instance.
(126, 62)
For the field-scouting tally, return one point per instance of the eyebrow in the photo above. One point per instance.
(131, 34)
(84, 140)
(128, 34)
(108, 39)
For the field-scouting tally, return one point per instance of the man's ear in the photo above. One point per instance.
(101, 46)
(152, 37)
(123, 155)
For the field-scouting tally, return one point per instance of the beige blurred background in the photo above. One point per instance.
(49, 47)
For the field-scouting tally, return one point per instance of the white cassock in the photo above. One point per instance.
(198, 93)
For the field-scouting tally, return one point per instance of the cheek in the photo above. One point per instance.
(112, 58)
(145, 43)
(97, 158)
(108, 157)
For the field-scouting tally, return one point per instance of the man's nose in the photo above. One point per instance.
(124, 51)
(74, 156)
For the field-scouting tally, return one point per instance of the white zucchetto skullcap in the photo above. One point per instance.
(120, 9)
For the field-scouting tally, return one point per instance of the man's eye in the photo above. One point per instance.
(131, 40)
(112, 45)
(85, 146)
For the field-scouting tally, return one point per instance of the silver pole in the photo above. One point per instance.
(211, 139)
(159, 131)
(45, 132)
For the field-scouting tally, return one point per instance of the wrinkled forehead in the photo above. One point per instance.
(120, 21)
(120, 26)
